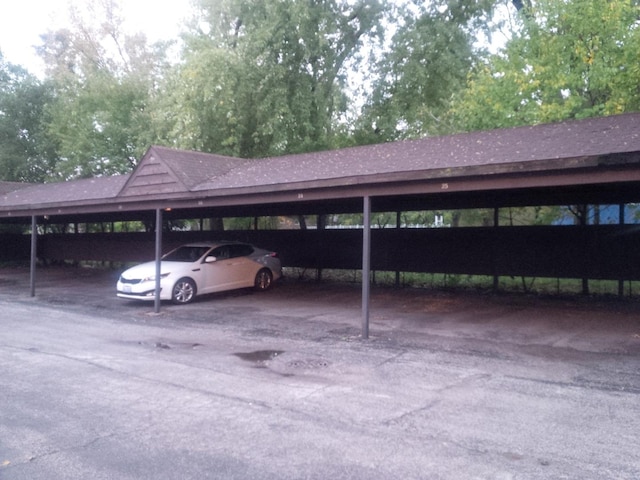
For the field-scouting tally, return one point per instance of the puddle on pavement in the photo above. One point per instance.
(259, 357)
(186, 345)
(308, 364)
(166, 345)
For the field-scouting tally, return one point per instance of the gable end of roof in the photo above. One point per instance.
(152, 176)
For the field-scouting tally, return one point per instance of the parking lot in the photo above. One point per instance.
(279, 385)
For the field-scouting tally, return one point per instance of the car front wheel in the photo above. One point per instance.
(184, 291)
(264, 279)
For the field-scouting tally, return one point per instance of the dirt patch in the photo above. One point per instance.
(317, 310)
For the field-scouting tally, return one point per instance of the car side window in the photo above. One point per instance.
(184, 254)
(221, 252)
(241, 250)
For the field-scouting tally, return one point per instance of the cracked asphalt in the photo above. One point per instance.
(279, 385)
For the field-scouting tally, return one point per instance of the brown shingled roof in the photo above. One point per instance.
(7, 187)
(180, 174)
(165, 170)
(76, 191)
(195, 167)
(567, 140)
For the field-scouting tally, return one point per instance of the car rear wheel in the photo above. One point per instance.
(264, 279)
(184, 291)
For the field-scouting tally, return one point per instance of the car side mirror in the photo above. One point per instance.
(210, 259)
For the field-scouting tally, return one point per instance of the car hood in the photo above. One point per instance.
(148, 269)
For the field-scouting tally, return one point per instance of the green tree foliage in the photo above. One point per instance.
(279, 76)
(264, 78)
(428, 61)
(103, 80)
(569, 59)
(26, 152)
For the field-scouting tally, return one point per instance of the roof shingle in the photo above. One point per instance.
(518, 148)
(100, 188)
(585, 138)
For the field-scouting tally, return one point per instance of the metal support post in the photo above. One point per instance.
(156, 305)
(34, 254)
(366, 266)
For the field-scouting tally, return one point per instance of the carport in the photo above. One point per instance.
(586, 162)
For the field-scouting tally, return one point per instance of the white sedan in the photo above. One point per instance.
(200, 268)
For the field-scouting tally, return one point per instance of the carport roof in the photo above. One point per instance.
(596, 146)
(7, 187)
(450, 155)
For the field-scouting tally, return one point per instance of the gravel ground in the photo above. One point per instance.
(280, 385)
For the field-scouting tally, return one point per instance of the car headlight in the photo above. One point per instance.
(152, 278)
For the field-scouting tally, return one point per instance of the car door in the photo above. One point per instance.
(244, 268)
(228, 271)
(215, 273)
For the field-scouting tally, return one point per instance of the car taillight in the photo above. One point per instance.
(273, 254)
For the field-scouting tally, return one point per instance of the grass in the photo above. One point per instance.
(480, 283)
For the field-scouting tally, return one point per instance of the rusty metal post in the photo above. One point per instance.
(496, 224)
(366, 266)
(398, 225)
(156, 303)
(621, 214)
(34, 254)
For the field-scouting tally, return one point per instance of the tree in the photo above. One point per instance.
(264, 78)
(26, 152)
(99, 125)
(569, 60)
(103, 81)
(427, 62)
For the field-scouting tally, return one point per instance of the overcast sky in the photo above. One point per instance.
(22, 21)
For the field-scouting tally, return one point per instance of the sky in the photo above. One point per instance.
(22, 22)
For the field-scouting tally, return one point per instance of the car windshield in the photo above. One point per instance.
(185, 254)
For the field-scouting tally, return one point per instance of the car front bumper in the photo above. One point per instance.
(142, 291)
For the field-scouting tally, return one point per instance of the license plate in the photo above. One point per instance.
(126, 288)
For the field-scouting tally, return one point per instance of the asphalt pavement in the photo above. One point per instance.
(279, 385)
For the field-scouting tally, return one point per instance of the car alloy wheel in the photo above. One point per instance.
(184, 291)
(264, 278)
